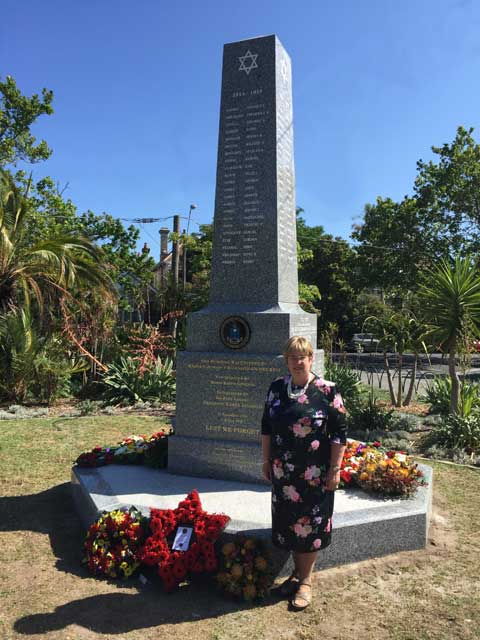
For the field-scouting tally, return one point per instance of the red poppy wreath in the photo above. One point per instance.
(181, 541)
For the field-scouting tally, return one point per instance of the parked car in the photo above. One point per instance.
(364, 342)
(476, 346)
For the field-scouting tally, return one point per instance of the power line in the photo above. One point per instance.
(150, 220)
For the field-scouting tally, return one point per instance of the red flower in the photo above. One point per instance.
(174, 566)
(211, 564)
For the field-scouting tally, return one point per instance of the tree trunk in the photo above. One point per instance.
(411, 386)
(454, 378)
(400, 381)
(389, 377)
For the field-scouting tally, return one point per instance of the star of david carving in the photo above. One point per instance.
(248, 66)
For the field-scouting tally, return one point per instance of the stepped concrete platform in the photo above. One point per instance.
(365, 526)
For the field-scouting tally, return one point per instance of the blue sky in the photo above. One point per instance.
(137, 94)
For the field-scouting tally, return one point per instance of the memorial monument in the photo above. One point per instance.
(234, 345)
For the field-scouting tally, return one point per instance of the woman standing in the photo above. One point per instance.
(303, 441)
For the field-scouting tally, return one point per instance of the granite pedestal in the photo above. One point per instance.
(365, 526)
(219, 410)
(234, 345)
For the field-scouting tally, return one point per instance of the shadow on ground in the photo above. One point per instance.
(52, 512)
(116, 613)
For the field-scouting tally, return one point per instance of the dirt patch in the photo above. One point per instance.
(414, 408)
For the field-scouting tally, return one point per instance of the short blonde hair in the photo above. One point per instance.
(298, 344)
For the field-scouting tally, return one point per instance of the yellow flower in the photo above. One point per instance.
(261, 563)
(249, 592)
(222, 578)
(228, 548)
(236, 570)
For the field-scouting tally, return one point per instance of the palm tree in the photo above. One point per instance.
(401, 332)
(42, 269)
(451, 299)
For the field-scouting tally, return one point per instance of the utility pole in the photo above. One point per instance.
(175, 250)
(192, 207)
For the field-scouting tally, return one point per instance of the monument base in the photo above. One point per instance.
(365, 526)
(212, 458)
(220, 400)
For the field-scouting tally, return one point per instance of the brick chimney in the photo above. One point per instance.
(164, 231)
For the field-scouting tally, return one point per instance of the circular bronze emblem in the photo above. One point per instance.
(234, 332)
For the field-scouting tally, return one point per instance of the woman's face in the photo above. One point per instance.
(299, 365)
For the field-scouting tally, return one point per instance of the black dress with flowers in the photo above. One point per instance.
(301, 431)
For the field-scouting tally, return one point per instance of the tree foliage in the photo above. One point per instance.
(17, 114)
(42, 267)
(451, 298)
(398, 241)
(392, 245)
(326, 263)
(51, 214)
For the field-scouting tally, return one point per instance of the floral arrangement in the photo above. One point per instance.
(97, 457)
(150, 450)
(371, 468)
(197, 556)
(112, 543)
(245, 569)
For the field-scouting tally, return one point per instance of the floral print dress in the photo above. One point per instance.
(301, 431)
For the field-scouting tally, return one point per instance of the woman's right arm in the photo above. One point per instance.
(266, 464)
(266, 430)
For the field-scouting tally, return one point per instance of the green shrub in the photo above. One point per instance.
(51, 378)
(397, 444)
(406, 422)
(369, 416)
(460, 456)
(438, 393)
(33, 365)
(87, 407)
(347, 381)
(458, 432)
(18, 412)
(125, 382)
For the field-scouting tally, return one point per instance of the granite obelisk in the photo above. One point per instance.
(234, 345)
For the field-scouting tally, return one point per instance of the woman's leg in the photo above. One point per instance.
(304, 563)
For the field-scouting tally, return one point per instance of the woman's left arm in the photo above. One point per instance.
(336, 456)
(337, 428)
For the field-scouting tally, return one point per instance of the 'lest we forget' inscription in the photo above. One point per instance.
(230, 400)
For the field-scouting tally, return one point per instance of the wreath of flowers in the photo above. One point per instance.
(97, 457)
(151, 450)
(113, 541)
(245, 569)
(174, 566)
(373, 469)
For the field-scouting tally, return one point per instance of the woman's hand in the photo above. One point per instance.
(267, 470)
(333, 479)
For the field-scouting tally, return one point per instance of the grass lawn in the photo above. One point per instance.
(45, 591)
